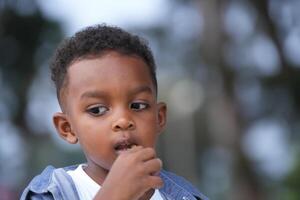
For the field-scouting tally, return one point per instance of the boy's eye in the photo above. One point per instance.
(139, 106)
(97, 110)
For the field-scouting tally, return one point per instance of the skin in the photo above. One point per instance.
(110, 101)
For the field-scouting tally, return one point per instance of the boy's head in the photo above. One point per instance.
(96, 41)
(106, 84)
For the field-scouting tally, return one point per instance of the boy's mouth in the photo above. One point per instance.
(123, 146)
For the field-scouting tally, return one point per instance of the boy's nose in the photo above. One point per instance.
(123, 124)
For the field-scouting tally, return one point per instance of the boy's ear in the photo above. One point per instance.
(63, 128)
(162, 116)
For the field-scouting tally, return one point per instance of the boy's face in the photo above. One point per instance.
(110, 105)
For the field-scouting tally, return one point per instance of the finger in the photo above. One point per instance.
(153, 166)
(146, 154)
(155, 182)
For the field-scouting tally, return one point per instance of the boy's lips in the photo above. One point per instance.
(123, 145)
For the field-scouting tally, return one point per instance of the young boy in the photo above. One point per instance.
(107, 89)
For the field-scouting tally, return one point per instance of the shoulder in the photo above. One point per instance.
(41, 181)
(38, 185)
(175, 184)
(48, 184)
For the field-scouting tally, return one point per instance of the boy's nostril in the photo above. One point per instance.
(123, 125)
(118, 127)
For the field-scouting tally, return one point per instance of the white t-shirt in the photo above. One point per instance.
(87, 188)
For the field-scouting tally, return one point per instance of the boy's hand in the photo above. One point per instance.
(133, 173)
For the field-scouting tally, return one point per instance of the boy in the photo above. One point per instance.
(106, 86)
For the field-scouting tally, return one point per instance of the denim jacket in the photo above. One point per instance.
(57, 184)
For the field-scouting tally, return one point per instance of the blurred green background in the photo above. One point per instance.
(229, 71)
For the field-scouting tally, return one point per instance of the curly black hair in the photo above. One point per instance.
(96, 41)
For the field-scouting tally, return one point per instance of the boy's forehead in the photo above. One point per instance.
(106, 59)
(110, 64)
(109, 67)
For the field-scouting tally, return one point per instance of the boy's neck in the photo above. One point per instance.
(92, 173)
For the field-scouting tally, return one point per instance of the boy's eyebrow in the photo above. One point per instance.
(93, 94)
(101, 94)
(141, 89)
